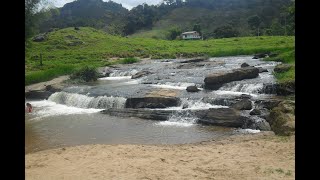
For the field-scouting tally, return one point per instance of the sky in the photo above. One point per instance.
(125, 3)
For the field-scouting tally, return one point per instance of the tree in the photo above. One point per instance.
(254, 22)
(30, 8)
(225, 31)
(197, 28)
(173, 33)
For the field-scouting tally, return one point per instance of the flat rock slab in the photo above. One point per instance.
(216, 116)
(216, 80)
(152, 102)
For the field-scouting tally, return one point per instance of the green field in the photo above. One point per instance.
(66, 50)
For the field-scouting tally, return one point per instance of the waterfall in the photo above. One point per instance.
(83, 101)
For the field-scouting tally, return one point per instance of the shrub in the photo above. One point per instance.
(129, 60)
(85, 74)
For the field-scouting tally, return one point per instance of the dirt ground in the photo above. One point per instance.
(255, 156)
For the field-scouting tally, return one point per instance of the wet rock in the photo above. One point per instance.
(154, 102)
(198, 59)
(245, 96)
(221, 117)
(140, 74)
(255, 122)
(267, 103)
(283, 89)
(282, 118)
(261, 70)
(38, 94)
(244, 104)
(216, 80)
(260, 55)
(189, 66)
(192, 89)
(39, 38)
(282, 68)
(255, 112)
(53, 88)
(245, 65)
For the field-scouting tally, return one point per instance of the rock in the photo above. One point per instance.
(189, 66)
(216, 80)
(76, 28)
(282, 118)
(192, 89)
(38, 94)
(245, 96)
(282, 89)
(255, 122)
(53, 88)
(220, 117)
(261, 70)
(260, 55)
(39, 38)
(244, 104)
(282, 68)
(255, 112)
(154, 102)
(198, 59)
(267, 103)
(245, 65)
(140, 74)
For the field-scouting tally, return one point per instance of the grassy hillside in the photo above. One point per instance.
(67, 49)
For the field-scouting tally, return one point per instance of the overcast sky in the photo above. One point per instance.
(125, 3)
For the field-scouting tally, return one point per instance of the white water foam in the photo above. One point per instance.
(180, 119)
(179, 85)
(114, 78)
(83, 101)
(47, 108)
(224, 92)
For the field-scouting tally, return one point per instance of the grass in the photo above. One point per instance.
(61, 56)
(285, 57)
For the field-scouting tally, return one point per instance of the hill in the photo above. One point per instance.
(216, 18)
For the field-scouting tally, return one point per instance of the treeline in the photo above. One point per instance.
(225, 18)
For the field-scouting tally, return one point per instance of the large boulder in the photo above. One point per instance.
(282, 118)
(282, 89)
(192, 89)
(216, 80)
(152, 102)
(261, 70)
(221, 117)
(255, 112)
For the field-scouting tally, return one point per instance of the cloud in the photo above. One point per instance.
(129, 4)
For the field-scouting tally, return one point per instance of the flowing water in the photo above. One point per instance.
(72, 116)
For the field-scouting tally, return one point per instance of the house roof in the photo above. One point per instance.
(190, 32)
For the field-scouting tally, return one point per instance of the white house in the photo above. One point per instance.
(191, 35)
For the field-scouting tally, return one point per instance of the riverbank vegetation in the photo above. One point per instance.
(62, 51)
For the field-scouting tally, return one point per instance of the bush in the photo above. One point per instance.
(129, 60)
(85, 74)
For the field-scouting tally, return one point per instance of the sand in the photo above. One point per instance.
(259, 156)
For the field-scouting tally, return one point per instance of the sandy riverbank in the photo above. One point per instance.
(259, 156)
